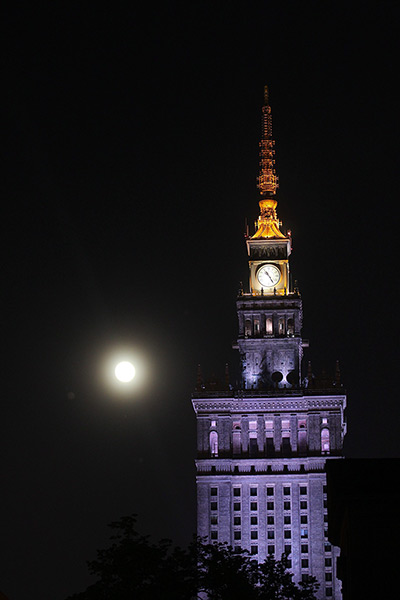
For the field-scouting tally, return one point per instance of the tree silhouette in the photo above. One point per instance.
(134, 568)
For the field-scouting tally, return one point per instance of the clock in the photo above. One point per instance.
(268, 275)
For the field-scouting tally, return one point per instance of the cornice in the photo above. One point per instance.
(270, 404)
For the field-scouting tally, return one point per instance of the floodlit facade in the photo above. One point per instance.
(262, 448)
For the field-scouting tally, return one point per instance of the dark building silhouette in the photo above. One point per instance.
(364, 521)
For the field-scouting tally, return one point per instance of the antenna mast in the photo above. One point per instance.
(268, 180)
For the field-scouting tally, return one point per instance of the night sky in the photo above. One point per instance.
(130, 163)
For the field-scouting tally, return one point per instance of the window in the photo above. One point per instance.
(253, 505)
(253, 491)
(303, 504)
(304, 533)
(288, 549)
(328, 591)
(303, 490)
(270, 506)
(287, 534)
(213, 423)
(286, 490)
(270, 520)
(236, 491)
(269, 439)
(304, 548)
(214, 443)
(253, 447)
(254, 534)
(270, 491)
(328, 576)
(302, 436)
(290, 326)
(236, 506)
(237, 520)
(214, 535)
(286, 505)
(270, 534)
(253, 520)
(256, 326)
(286, 519)
(281, 326)
(247, 327)
(236, 438)
(325, 442)
(303, 519)
(286, 448)
(269, 446)
(214, 505)
(268, 326)
(214, 491)
(214, 520)
(327, 547)
(254, 550)
(237, 535)
(328, 562)
(304, 563)
(271, 549)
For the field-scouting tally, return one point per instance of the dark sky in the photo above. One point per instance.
(131, 156)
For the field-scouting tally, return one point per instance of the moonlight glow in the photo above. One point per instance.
(125, 371)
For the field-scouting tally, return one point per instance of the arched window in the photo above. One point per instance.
(302, 437)
(325, 441)
(281, 326)
(247, 327)
(268, 326)
(214, 443)
(236, 439)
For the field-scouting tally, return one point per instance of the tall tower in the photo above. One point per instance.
(262, 448)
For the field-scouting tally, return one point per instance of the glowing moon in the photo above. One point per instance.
(125, 371)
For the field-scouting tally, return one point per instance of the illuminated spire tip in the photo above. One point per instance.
(268, 180)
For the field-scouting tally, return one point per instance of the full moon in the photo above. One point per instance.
(125, 371)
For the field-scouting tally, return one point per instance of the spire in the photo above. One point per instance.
(268, 223)
(267, 181)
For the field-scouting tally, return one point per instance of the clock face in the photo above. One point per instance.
(268, 275)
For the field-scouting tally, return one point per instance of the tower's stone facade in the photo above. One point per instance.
(261, 482)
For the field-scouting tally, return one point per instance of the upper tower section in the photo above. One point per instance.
(269, 248)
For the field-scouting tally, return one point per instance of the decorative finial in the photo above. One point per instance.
(268, 180)
(199, 381)
(337, 374)
(227, 377)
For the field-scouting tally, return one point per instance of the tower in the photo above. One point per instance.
(262, 448)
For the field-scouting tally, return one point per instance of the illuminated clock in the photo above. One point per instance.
(268, 275)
